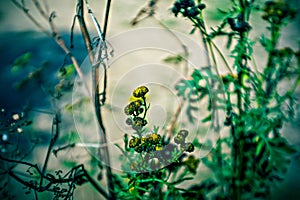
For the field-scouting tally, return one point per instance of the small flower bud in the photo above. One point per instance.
(128, 121)
(183, 133)
(201, 6)
(179, 139)
(188, 147)
(139, 122)
(129, 110)
(193, 12)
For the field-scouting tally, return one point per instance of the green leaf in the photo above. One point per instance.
(259, 147)
(207, 119)
(66, 71)
(193, 30)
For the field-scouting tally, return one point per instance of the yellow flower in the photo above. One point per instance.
(158, 147)
(131, 190)
(140, 91)
(154, 138)
(144, 140)
(137, 103)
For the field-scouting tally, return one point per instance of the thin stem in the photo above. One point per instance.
(222, 57)
(95, 185)
(269, 70)
(40, 9)
(83, 29)
(55, 135)
(175, 118)
(145, 105)
(35, 195)
(55, 151)
(241, 59)
(203, 36)
(26, 12)
(98, 111)
(99, 103)
(294, 86)
(214, 58)
(106, 17)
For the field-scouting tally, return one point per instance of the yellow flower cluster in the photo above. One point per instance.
(146, 144)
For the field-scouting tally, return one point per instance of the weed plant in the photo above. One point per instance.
(246, 163)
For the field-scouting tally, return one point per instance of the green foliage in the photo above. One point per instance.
(259, 154)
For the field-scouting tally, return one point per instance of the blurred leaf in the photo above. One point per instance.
(206, 119)
(71, 137)
(34, 75)
(259, 147)
(201, 190)
(21, 62)
(282, 145)
(66, 71)
(177, 59)
(79, 103)
(70, 163)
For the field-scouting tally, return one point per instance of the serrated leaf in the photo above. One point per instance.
(189, 111)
